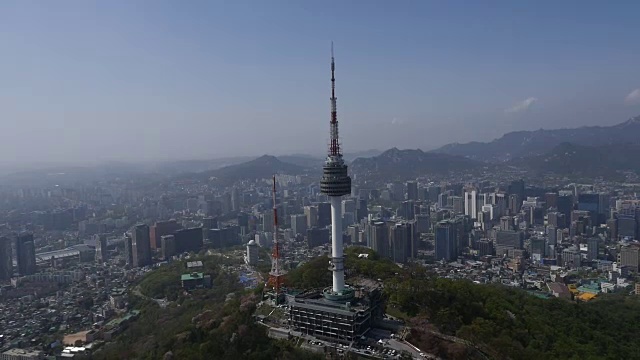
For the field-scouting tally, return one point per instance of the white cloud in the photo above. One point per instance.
(633, 98)
(396, 121)
(522, 105)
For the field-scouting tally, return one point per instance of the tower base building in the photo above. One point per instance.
(344, 320)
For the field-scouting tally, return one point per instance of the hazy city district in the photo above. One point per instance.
(178, 180)
(458, 253)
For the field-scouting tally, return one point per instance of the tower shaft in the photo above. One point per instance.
(337, 254)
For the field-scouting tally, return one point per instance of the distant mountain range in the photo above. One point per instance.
(587, 151)
(404, 164)
(260, 168)
(533, 143)
(393, 162)
(579, 160)
(191, 166)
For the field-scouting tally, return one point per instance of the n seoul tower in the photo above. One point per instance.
(335, 183)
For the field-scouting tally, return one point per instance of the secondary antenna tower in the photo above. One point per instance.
(277, 273)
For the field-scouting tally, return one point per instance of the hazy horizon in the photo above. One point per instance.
(153, 80)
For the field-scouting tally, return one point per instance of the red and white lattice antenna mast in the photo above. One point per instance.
(334, 145)
(276, 276)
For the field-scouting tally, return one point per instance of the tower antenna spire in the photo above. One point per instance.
(334, 146)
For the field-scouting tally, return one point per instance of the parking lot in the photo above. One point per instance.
(377, 343)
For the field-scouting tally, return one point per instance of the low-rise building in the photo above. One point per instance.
(195, 280)
(22, 354)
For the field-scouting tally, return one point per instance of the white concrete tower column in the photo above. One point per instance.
(337, 253)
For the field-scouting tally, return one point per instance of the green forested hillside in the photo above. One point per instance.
(207, 324)
(511, 324)
(502, 323)
(499, 322)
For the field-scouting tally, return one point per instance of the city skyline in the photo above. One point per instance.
(156, 81)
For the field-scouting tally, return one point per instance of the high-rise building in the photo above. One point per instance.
(324, 214)
(457, 204)
(317, 236)
(348, 206)
(630, 257)
(188, 240)
(511, 238)
(397, 191)
(102, 254)
(26, 254)
(208, 223)
(446, 241)
(517, 188)
(128, 249)
(485, 247)
(434, 192)
(378, 238)
(408, 210)
(160, 229)
(354, 233)
(362, 210)
(226, 236)
(627, 226)
(443, 200)
(235, 199)
(552, 235)
(243, 223)
(612, 227)
(267, 221)
(506, 223)
(559, 236)
(571, 257)
(491, 210)
(141, 245)
(6, 262)
(502, 203)
(347, 219)
(565, 206)
(311, 212)
(593, 248)
(402, 242)
(515, 202)
(556, 219)
(252, 253)
(551, 200)
(168, 243)
(299, 224)
(471, 203)
(412, 190)
(590, 202)
(538, 247)
(423, 223)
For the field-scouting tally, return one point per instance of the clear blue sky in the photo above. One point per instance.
(93, 81)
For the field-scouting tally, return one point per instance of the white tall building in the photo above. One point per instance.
(471, 204)
(252, 253)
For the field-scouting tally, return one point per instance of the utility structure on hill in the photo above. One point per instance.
(277, 273)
